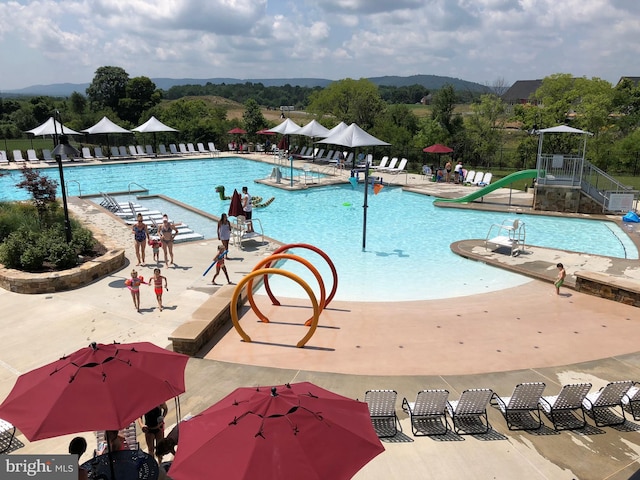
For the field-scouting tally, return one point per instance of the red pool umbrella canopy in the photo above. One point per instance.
(289, 431)
(235, 207)
(264, 131)
(99, 387)
(237, 131)
(437, 148)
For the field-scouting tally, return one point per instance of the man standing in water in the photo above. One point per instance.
(247, 208)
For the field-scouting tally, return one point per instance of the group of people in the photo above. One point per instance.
(152, 424)
(444, 175)
(167, 232)
(158, 281)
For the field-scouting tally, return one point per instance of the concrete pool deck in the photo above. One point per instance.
(494, 340)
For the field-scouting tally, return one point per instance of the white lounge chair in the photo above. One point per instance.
(97, 152)
(149, 151)
(601, 405)
(86, 153)
(115, 152)
(7, 430)
(32, 157)
(486, 179)
(392, 165)
(469, 414)
(46, 155)
(133, 151)
(213, 149)
(382, 410)
(140, 151)
(123, 151)
(3, 157)
(468, 177)
(477, 179)
(522, 409)
(631, 401)
(399, 169)
(173, 149)
(560, 408)
(183, 149)
(428, 414)
(191, 149)
(201, 148)
(17, 156)
(382, 164)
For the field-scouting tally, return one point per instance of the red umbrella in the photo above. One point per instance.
(235, 208)
(264, 131)
(237, 131)
(100, 387)
(290, 431)
(437, 148)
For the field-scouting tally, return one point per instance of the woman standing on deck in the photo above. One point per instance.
(140, 235)
(224, 231)
(168, 232)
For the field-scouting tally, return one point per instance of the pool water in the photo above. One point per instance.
(407, 255)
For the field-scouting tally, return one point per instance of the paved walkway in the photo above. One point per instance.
(494, 340)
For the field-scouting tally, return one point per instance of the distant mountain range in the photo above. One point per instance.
(432, 82)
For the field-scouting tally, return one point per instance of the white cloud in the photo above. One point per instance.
(51, 41)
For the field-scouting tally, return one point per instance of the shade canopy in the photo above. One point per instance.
(313, 129)
(437, 148)
(353, 136)
(297, 430)
(52, 127)
(563, 129)
(100, 387)
(338, 128)
(237, 131)
(153, 125)
(264, 131)
(288, 127)
(105, 126)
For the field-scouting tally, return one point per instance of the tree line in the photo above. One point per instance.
(485, 132)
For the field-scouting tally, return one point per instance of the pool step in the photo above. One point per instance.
(188, 236)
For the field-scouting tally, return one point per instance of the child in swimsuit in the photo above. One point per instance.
(155, 245)
(157, 282)
(562, 273)
(219, 259)
(133, 284)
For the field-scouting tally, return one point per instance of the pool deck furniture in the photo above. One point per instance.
(469, 413)
(561, 408)
(521, 410)
(382, 410)
(428, 413)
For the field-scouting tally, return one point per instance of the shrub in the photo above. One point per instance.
(60, 253)
(32, 259)
(82, 240)
(14, 246)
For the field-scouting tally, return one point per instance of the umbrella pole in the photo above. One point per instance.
(364, 207)
(291, 171)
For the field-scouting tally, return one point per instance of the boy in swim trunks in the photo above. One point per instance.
(560, 278)
(157, 282)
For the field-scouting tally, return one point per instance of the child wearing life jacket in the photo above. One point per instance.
(133, 284)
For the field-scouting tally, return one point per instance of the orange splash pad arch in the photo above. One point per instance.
(326, 257)
(285, 256)
(274, 271)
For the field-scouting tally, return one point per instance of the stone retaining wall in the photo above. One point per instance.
(50, 282)
(610, 287)
(558, 198)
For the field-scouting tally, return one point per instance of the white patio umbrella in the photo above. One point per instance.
(52, 127)
(313, 129)
(353, 136)
(154, 125)
(288, 127)
(105, 126)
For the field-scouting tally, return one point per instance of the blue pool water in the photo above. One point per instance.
(407, 256)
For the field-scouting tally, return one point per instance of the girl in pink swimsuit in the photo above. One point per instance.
(133, 284)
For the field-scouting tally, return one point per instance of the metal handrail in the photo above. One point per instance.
(137, 184)
(74, 181)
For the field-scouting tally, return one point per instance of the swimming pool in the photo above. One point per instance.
(408, 253)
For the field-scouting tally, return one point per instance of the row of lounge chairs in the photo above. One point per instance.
(522, 409)
(480, 179)
(133, 151)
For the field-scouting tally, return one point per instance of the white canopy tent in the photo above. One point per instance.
(338, 128)
(353, 136)
(153, 125)
(52, 127)
(288, 127)
(314, 130)
(105, 126)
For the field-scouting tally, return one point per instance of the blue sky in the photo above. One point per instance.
(50, 41)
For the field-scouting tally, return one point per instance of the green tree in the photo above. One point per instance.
(141, 94)
(253, 118)
(352, 101)
(626, 103)
(444, 101)
(78, 103)
(109, 85)
(484, 129)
